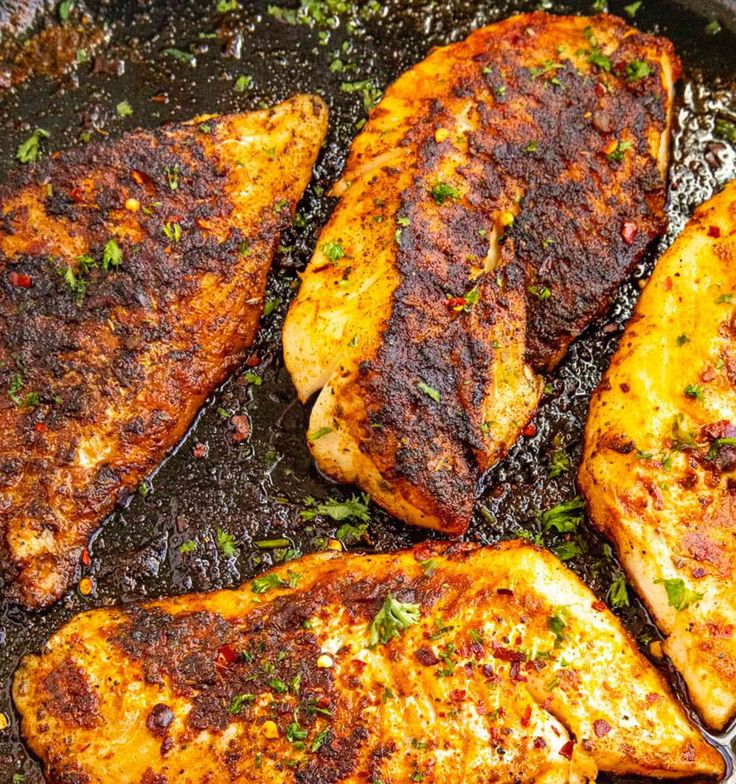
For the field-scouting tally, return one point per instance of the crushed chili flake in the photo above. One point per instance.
(566, 750)
(529, 430)
(599, 606)
(200, 450)
(540, 743)
(653, 697)
(629, 232)
(253, 361)
(455, 302)
(457, 695)
(241, 423)
(20, 279)
(86, 560)
(527, 716)
(601, 728)
(40, 427)
(714, 231)
(225, 655)
(667, 284)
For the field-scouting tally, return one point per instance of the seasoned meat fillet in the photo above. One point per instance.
(659, 467)
(499, 194)
(132, 275)
(442, 664)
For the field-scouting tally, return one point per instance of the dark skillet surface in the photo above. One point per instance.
(256, 490)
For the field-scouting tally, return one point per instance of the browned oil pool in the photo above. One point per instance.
(257, 490)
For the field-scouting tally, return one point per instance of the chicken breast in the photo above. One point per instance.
(499, 194)
(132, 276)
(660, 453)
(440, 664)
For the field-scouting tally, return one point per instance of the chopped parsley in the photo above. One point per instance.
(443, 191)
(183, 57)
(333, 250)
(172, 231)
(429, 391)
(112, 256)
(223, 6)
(315, 435)
(679, 595)
(172, 176)
(694, 391)
(188, 547)
(355, 507)
(567, 551)
(540, 292)
(393, 618)
(242, 83)
(557, 625)
(631, 10)
(726, 129)
(637, 69)
(240, 700)
(123, 109)
(253, 378)
(565, 517)
(618, 153)
(370, 93)
(618, 594)
(269, 581)
(320, 739)
(713, 27)
(348, 533)
(559, 463)
(29, 151)
(226, 544)
(65, 8)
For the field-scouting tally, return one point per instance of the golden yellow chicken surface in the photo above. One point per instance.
(499, 194)
(440, 664)
(132, 276)
(660, 453)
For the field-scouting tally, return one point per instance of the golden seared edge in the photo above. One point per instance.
(499, 194)
(502, 664)
(659, 461)
(132, 275)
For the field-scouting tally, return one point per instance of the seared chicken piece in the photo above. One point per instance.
(499, 194)
(659, 467)
(132, 276)
(442, 664)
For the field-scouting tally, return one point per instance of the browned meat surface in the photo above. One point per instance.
(132, 276)
(498, 196)
(445, 665)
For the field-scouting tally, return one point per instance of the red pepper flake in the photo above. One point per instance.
(667, 284)
(599, 606)
(601, 728)
(86, 560)
(653, 697)
(225, 656)
(200, 450)
(566, 750)
(507, 654)
(358, 665)
(714, 231)
(629, 232)
(527, 716)
(426, 656)
(540, 743)
(253, 361)
(458, 695)
(529, 430)
(40, 427)
(455, 302)
(625, 387)
(241, 423)
(708, 375)
(20, 279)
(515, 672)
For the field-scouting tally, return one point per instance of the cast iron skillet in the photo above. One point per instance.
(257, 489)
